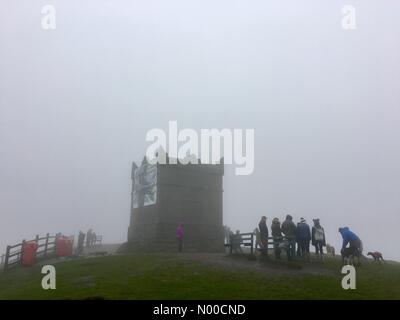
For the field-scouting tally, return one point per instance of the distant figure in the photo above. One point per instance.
(304, 238)
(227, 232)
(257, 234)
(355, 244)
(81, 242)
(179, 236)
(277, 235)
(377, 256)
(93, 240)
(318, 238)
(298, 251)
(88, 238)
(262, 226)
(231, 238)
(289, 230)
(237, 240)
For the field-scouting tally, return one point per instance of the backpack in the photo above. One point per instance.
(319, 234)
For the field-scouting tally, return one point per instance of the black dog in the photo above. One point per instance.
(349, 254)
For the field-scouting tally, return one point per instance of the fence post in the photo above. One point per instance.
(46, 245)
(55, 243)
(252, 243)
(21, 251)
(6, 258)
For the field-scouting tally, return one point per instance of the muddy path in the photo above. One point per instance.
(267, 267)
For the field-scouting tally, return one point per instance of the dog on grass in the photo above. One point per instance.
(330, 250)
(348, 255)
(377, 256)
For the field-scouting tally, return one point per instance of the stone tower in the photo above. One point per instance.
(165, 195)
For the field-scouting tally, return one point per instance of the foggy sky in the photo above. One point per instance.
(76, 103)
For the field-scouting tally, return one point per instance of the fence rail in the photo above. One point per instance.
(245, 239)
(46, 248)
(249, 240)
(98, 241)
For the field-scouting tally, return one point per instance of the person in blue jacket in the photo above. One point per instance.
(351, 238)
(303, 236)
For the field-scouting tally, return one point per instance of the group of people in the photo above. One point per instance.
(293, 239)
(90, 237)
(288, 235)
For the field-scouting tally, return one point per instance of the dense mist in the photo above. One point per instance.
(76, 104)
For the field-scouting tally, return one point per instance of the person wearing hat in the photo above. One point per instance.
(304, 238)
(318, 238)
(262, 226)
(289, 230)
(277, 235)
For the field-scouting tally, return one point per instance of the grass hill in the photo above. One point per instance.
(200, 276)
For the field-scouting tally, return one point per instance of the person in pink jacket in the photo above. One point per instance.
(179, 236)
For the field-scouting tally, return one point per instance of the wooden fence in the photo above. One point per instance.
(98, 241)
(245, 239)
(248, 240)
(46, 249)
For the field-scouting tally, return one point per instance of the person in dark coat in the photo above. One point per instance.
(298, 250)
(89, 237)
(262, 226)
(318, 238)
(277, 235)
(304, 237)
(289, 230)
(93, 240)
(81, 242)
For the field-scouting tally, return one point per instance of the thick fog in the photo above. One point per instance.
(76, 104)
